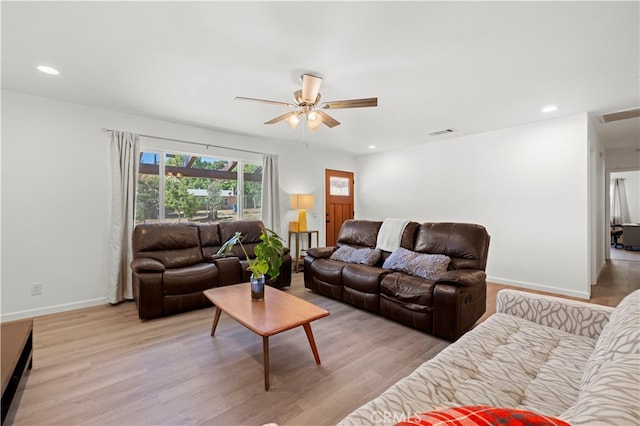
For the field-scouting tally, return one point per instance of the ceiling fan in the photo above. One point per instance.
(307, 104)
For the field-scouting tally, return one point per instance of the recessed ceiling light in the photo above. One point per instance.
(48, 70)
(372, 147)
(549, 108)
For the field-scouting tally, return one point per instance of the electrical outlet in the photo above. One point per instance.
(36, 289)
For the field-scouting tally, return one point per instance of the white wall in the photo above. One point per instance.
(56, 194)
(598, 227)
(527, 185)
(619, 161)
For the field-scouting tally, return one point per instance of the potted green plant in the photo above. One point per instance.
(267, 261)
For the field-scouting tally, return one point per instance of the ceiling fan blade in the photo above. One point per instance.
(327, 119)
(310, 87)
(620, 115)
(281, 118)
(351, 103)
(240, 98)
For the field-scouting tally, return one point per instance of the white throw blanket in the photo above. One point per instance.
(390, 234)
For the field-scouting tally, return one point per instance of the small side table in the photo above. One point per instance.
(309, 241)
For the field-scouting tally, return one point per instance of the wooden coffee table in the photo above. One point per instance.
(278, 312)
(17, 351)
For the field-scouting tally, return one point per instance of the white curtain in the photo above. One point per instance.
(619, 206)
(270, 192)
(125, 158)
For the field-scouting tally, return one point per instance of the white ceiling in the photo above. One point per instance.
(473, 66)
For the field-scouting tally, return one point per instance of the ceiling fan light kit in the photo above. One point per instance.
(294, 119)
(307, 103)
(313, 121)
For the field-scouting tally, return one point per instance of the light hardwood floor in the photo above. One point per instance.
(103, 366)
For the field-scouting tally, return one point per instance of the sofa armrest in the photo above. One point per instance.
(212, 258)
(229, 270)
(572, 316)
(456, 308)
(463, 277)
(321, 252)
(147, 293)
(146, 264)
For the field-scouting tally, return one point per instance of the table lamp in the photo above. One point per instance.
(302, 202)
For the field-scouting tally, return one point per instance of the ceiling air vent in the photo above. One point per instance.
(441, 132)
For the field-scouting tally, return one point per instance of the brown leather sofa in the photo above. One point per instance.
(175, 262)
(447, 305)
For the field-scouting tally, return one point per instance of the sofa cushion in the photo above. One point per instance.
(481, 415)
(325, 276)
(364, 255)
(251, 231)
(363, 278)
(175, 245)
(328, 271)
(505, 361)
(419, 264)
(610, 385)
(361, 286)
(363, 233)
(612, 396)
(621, 336)
(210, 238)
(408, 300)
(466, 244)
(191, 279)
(525, 365)
(408, 289)
(342, 254)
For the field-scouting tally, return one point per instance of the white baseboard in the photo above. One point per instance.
(539, 287)
(30, 313)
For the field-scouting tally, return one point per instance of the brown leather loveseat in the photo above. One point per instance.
(446, 304)
(175, 262)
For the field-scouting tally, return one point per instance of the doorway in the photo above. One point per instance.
(339, 202)
(630, 182)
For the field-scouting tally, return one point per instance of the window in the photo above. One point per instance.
(338, 186)
(175, 187)
(148, 196)
(252, 194)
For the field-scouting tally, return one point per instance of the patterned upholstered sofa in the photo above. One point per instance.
(574, 361)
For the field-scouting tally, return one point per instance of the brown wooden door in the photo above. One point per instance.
(339, 196)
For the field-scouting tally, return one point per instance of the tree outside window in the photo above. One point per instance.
(196, 188)
(252, 192)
